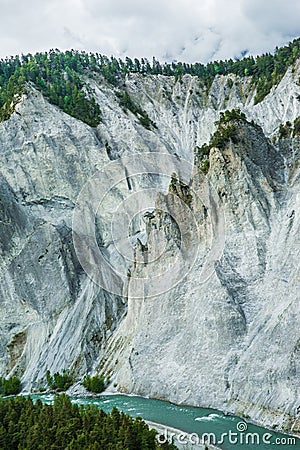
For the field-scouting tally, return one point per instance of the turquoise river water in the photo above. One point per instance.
(228, 432)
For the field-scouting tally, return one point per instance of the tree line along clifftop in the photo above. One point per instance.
(62, 77)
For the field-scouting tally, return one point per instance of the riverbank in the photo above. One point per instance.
(267, 424)
(226, 431)
(79, 392)
(110, 390)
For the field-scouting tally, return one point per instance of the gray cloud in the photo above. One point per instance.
(189, 30)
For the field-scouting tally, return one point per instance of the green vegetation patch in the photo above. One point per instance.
(296, 130)
(287, 130)
(57, 75)
(227, 130)
(10, 386)
(59, 381)
(95, 384)
(180, 189)
(36, 426)
(126, 102)
(60, 77)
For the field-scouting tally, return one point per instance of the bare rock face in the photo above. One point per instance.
(217, 343)
(231, 341)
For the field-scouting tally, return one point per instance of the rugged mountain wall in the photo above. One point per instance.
(231, 342)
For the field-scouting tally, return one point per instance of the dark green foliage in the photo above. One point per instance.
(201, 156)
(10, 386)
(49, 379)
(229, 83)
(285, 130)
(269, 69)
(204, 150)
(10, 94)
(36, 426)
(227, 130)
(146, 122)
(60, 77)
(229, 115)
(180, 189)
(95, 384)
(228, 127)
(296, 131)
(59, 382)
(223, 135)
(204, 167)
(127, 103)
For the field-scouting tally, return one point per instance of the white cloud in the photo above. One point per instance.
(189, 30)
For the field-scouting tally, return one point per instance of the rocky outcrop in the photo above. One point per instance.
(229, 341)
(218, 343)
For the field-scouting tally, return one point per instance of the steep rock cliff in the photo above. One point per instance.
(231, 342)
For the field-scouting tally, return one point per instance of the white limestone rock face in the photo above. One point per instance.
(231, 342)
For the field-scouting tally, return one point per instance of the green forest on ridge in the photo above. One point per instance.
(63, 76)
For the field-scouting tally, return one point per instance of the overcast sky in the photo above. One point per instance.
(186, 30)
